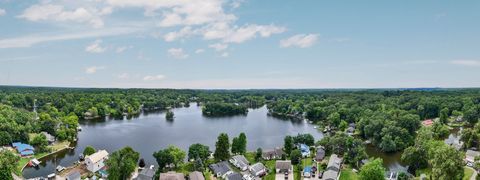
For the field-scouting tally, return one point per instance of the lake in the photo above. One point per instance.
(150, 132)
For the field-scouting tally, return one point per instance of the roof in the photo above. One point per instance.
(333, 167)
(257, 167)
(99, 155)
(470, 155)
(49, 137)
(320, 153)
(171, 175)
(241, 158)
(195, 175)
(277, 152)
(427, 122)
(283, 165)
(235, 176)
(220, 168)
(146, 174)
(23, 149)
(74, 175)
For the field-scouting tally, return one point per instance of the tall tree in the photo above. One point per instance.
(296, 156)
(447, 163)
(222, 148)
(122, 163)
(8, 163)
(373, 170)
(171, 156)
(196, 151)
(258, 154)
(89, 150)
(444, 116)
(288, 145)
(242, 143)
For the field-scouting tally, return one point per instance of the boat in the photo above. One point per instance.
(34, 162)
(315, 127)
(51, 176)
(60, 168)
(79, 128)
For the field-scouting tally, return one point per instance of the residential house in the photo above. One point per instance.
(171, 175)
(333, 168)
(240, 162)
(320, 154)
(305, 150)
(95, 161)
(276, 153)
(50, 138)
(146, 174)
(220, 169)
(258, 169)
(470, 156)
(75, 175)
(284, 170)
(454, 142)
(428, 122)
(234, 176)
(23, 149)
(196, 175)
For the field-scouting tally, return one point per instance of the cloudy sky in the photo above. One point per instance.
(240, 43)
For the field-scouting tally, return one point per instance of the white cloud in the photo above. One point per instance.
(198, 51)
(183, 33)
(153, 77)
(95, 47)
(123, 76)
(219, 46)
(93, 69)
(122, 49)
(58, 13)
(236, 3)
(3, 12)
(29, 40)
(177, 53)
(248, 32)
(224, 54)
(299, 40)
(472, 63)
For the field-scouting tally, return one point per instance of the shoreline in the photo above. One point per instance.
(67, 146)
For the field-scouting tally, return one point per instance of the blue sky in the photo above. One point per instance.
(240, 44)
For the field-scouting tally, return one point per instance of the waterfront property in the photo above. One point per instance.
(196, 175)
(320, 154)
(333, 168)
(172, 175)
(50, 138)
(95, 161)
(257, 169)
(75, 175)
(470, 156)
(305, 150)
(234, 176)
(276, 153)
(24, 149)
(146, 174)
(220, 169)
(240, 162)
(284, 170)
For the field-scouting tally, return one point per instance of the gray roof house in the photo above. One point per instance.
(171, 175)
(74, 176)
(234, 176)
(320, 154)
(333, 168)
(50, 138)
(257, 169)
(240, 162)
(196, 175)
(470, 155)
(146, 174)
(220, 169)
(276, 153)
(283, 166)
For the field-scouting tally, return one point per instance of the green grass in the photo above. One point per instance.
(307, 162)
(271, 166)
(467, 173)
(348, 174)
(207, 174)
(250, 157)
(426, 171)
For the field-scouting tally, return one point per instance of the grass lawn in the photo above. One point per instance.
(55, 147)
(207, 175)
(250, 157)
(467, 173)
(307, 162)
(348, 174)
(270, 166)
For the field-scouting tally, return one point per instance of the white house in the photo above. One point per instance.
(257, 169)
(240, 162)
(95, 161)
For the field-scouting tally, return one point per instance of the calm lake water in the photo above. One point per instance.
(150, 132)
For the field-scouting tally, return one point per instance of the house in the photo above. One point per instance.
(220, 169)
(234, 176)
(307, 172)
(258, 169)
(248, 177)
(305, 150)
(240, 162)
(454, 142)
(283, 166)
(276, 153)
(284, 170)
(195, 175)
(75, 175)
(146, 174)
(350, 130)
(470, 156)
(320, 154)
(171, 175)
(333, 168)
(50, 138)
(427, 123)
(23, 149)
(95, 161)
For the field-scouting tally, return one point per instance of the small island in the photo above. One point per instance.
(223, 109)
(169, 115)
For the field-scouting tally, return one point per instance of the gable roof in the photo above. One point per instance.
(240, 158)
(172, 176)
(195, 175)
(257, 167)
(74, 175)
(235, 176)
(146, 174)
(220, 168)
(96, 157)
(333, 167)
(283, 165)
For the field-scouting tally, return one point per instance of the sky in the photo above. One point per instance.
(240, 44)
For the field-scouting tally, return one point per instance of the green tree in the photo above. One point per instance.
(242, 143)
(169, 115)
(373, 170)
(8, 163)
(235, 145)
(222, 148)
(288, 145)
(444, 116)
(40, 142)
(446, 163)
(343, 125)
(89, 150)
(122, 163)
(5, 138)
(334, 119)
(196, 151)
(258, 154)
(296, 156)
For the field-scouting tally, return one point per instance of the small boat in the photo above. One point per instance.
(60, 168)
(79, 128)
(315, 127)
(34, 162)
(51, 176)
